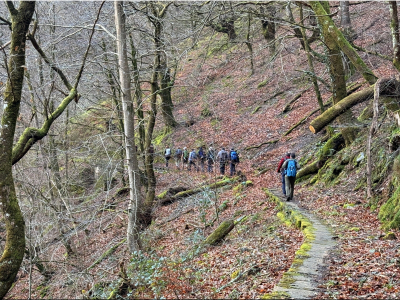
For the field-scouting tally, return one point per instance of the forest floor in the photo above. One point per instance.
(230, 108)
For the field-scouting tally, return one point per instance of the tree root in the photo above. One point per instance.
(288, 105)
(258, 146)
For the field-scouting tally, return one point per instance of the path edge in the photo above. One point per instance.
(291, 217)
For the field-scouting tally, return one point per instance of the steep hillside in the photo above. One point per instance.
(219, 103)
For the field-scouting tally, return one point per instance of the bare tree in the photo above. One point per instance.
(135, 198)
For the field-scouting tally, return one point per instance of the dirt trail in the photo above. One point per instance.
(302, 283)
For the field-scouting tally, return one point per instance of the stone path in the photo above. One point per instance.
(302, 275)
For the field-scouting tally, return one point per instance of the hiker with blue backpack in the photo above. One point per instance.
(283, 171)
(234, 159)
(291, 166)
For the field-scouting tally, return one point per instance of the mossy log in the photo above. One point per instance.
(174, 194)
(334, 144)
(389, 87)
(220, 232)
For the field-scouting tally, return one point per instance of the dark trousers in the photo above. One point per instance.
(167, 158)
(290, 186)
(233, 168)
(191, 162)
(283, 183)
(210, 167)
(222, 168)
(202, 161)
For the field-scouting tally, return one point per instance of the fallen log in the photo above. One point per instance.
(169, 197)
(220, 232)
(389, 87)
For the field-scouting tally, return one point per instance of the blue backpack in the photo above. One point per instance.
(234, 156)
(291, 168)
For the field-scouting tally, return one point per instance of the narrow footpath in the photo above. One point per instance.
(300, 281)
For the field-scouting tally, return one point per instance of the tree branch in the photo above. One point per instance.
(47, 60)
(31, 135)
(88, 48)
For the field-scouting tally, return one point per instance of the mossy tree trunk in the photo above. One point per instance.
(321, 9)
(337, 72)
(166, 82)
(14, 249)
(394, 26)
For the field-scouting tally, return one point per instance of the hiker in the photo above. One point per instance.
(210, 159)
(192, 160)
(202, 158)
(282, 171)
(167, 154)
(185, 157)
(234, 159)
(291, 166)
(223, 160)
(178, 157)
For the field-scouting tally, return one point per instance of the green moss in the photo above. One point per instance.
(159, 138)
(256, 110)
(162, 195)
(263, 83)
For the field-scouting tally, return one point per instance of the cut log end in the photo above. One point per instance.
(312, 129)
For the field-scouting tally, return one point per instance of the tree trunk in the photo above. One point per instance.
(14, 249)
(394, 26)
(337, 76)
(138, 96)
(249, 45)
(310, 62)
(269, 27)
(149, 155)
(163, 70)
(128, 112)
(329, 27)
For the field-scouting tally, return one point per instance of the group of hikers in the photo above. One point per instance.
(288, 167)
(198, 159)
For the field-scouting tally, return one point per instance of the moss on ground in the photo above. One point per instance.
(292, 218)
